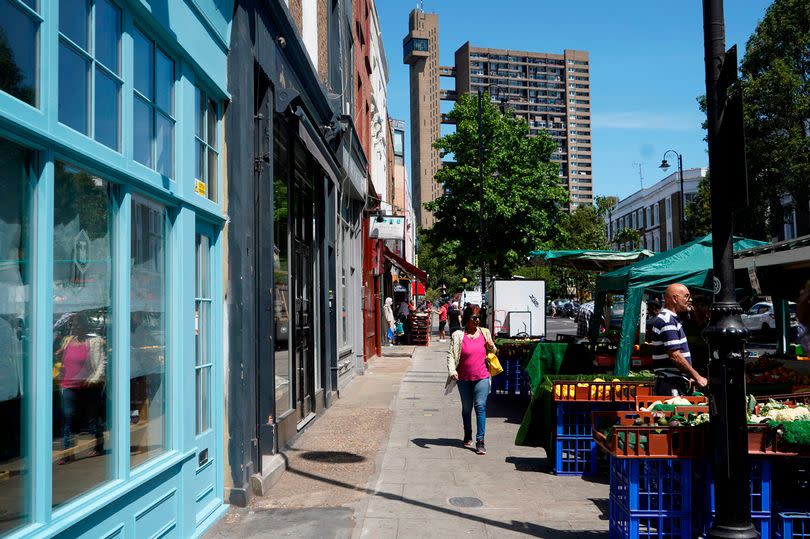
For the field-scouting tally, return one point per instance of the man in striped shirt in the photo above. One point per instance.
(671, 358)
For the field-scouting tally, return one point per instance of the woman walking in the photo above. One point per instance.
(389, 319)
(467, 363)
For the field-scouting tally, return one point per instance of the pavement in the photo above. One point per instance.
(386, 461)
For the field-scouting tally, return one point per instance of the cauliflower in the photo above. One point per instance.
(789, 414)
(678, 401)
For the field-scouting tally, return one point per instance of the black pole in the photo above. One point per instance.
(481, 192)
(682, 201)
(726, 333)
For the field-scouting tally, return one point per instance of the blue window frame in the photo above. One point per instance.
(153, 105)
(203, 317)
(19, 36)
(90, 69)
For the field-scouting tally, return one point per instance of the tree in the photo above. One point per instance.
(628, 235)
(437, 261)
(699, 211)
(523, 197)
(776, 90)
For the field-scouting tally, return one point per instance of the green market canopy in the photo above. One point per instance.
(593, 260)
(690, 264)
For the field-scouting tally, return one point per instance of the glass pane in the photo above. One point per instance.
(203, 249)
(203, 316)
(199, 116)
(199, 161)
(16, 171)
(213, 169)
(107, 113)
(164, 81)
(82, 305)
(281, 293)
(18, 41)
(144, 58)
(212, 124)
(203, 400)
(142, 143)
(73, 18)
(108, 34)
(147, 368)
(164, 145)
(73, 85)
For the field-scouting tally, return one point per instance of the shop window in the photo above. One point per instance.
(82, 311)
(206, 166)
(90, 69)
(153, 106)
(148, 316)
(16, 174)
(202, 329)
(281, 268)
(19, 41)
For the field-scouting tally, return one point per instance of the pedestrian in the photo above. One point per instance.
(453, 318)
(584, 319)
(389, 319)
(653, 308)
(442, 321)
(671, 358)
(467, 364)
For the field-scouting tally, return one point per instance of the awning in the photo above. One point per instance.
(593, 260)
(309, 136)
(406, 266)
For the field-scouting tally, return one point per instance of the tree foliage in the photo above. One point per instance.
(523, 197)
(699, 211)
(628, 235)
(776, 90)
(438, 261)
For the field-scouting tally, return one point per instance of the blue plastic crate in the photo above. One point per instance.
(760, 486)
(575, 455)
(793, 525)
(761, 521)
(652, 485)
(574, 418)
(627, 524)
(512, 382)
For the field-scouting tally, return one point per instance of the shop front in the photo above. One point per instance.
(110, 269)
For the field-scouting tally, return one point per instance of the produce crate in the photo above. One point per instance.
(575, 455)
(576, 418)
(792, 525)
(626, 524)
(647, 401)
(786, 398)
(588, 391)
(661, 486)
(513, 381)
(626, 439)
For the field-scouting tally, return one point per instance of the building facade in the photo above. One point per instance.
(111, 227)
(654, 212)
(551, 91)
(296, 187)
(421, 52)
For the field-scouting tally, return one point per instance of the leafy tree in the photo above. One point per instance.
(776, 90)
(628, 235)
(437, 260)
(11, 76)
(523, 197)
(699, 211)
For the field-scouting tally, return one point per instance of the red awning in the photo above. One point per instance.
(406, 266)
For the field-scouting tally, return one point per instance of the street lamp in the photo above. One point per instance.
(665, 166)
(490, 89)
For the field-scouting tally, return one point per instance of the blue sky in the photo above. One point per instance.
(646, 67)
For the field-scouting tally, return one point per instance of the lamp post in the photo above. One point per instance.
(726, 333)
(490, 88)
(665, 166)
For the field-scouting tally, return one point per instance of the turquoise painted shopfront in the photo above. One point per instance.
(111, 266)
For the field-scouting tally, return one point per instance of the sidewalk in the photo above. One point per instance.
(386, 461)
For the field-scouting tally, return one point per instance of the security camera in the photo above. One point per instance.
(282, 42)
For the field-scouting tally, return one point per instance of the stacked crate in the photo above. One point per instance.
(420, 329)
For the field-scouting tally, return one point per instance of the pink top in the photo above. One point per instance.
(443, 313)
(74, 358)
(472, 364)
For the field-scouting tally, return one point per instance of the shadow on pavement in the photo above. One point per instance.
(603, 505)
(337, 457)
(509, 408)
(426, 443)
(515, 525)
(529, 464)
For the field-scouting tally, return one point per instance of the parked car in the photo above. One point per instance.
(616, 314)
(564, 307)
(761, 317)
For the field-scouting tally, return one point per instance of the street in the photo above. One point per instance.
(398, 469)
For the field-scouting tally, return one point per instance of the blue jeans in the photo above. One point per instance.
(474, 394)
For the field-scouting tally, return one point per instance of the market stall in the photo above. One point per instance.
(689, 264)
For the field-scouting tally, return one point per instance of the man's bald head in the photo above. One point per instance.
(677, 298)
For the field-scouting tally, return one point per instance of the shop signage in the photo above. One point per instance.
(392, 227)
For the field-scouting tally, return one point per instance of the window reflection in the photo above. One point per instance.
(82, 278)
(16, 170)
(147, 368)
(18, 53)
(281, 272)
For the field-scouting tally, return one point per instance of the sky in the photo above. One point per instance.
(646, 68)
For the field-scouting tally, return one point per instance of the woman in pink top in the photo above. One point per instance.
(467, 363)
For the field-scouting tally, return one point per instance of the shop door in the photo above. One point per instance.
(303, 291)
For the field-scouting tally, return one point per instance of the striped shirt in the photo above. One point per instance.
(668, 335)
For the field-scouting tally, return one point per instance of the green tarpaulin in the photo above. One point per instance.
(689, 264)
(595, 260)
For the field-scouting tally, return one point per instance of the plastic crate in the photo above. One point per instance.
(575, 455)
(626, 439)
(574, 418)
(626, 524)
(761, 521)
(512, 382)
(652, 485)
(760, 486)
(792, 525)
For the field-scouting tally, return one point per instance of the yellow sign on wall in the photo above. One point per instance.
(200, 188)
